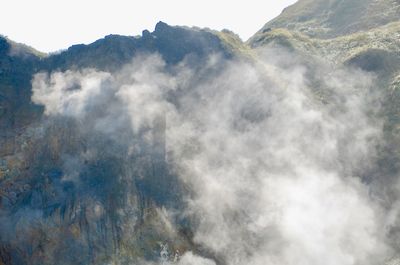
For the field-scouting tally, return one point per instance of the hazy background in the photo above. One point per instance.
(50, 25)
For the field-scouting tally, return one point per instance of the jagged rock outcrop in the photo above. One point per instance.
(110, 53)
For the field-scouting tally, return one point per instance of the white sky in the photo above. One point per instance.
(51, 25)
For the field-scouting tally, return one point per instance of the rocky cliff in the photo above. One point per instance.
(116, 207)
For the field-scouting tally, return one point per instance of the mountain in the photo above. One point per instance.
(333, 18)
(363, 34)
(341, 31)
(31, 160)
(90, 190)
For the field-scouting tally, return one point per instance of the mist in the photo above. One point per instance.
(271, 155)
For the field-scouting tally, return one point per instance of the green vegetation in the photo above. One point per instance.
(333, 18)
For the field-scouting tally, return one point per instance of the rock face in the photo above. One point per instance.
(114, 207)
(17, 65)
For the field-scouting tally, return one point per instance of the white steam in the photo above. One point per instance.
(274, 173)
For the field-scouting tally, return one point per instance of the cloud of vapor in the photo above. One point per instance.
(272, 157)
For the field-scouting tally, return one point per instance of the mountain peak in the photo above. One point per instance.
(160, 26)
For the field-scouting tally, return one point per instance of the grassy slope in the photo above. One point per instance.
(332, 18)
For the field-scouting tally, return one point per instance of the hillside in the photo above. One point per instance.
(361, 34)
(332, 18)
